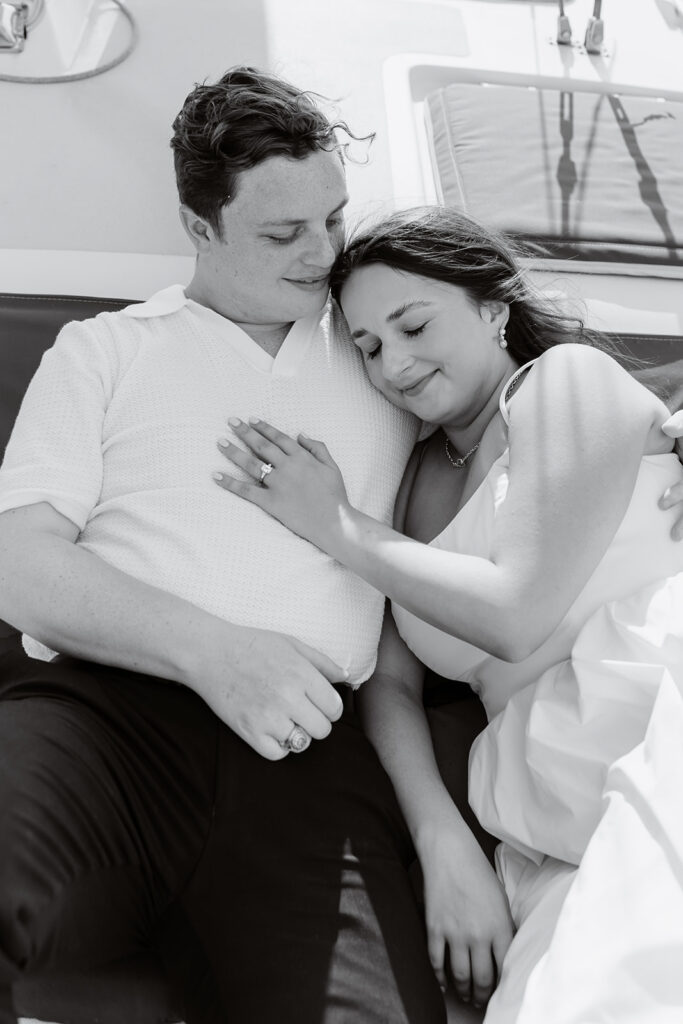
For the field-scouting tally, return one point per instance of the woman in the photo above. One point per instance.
(529, 559)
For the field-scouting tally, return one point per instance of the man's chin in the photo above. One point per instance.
(309, 303)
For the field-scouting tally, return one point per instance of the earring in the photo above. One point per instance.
(502, 341)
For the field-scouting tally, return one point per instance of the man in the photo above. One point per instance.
(146, 789)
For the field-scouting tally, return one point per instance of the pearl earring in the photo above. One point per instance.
(502, 341)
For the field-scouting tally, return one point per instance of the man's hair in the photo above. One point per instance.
(231, 126)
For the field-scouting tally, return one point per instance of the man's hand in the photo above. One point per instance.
(673, 496)
(262, 683)
(258, 682)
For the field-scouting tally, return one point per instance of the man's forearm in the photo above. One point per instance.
(75, 603)
(257, 681)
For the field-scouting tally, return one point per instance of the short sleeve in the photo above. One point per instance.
(55, 451)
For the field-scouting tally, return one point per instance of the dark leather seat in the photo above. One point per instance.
(134, 991)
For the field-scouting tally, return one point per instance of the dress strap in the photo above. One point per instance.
(509, 388)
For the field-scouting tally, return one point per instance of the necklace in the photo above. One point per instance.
(461, 462)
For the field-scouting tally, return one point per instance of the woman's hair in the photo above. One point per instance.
(447, 245)
(235, 124)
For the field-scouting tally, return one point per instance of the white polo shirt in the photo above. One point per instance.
(118, 432)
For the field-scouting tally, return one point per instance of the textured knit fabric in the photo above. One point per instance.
(118, 432)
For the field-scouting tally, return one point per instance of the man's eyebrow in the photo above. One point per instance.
(294, 221)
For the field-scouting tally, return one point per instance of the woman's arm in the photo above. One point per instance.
(579, 427)
(468, 919)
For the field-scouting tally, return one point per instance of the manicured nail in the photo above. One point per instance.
(217, 476)
(224, 441)
(234, 422)
(254, 420)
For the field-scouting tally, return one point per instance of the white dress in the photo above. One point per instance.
(580, 773)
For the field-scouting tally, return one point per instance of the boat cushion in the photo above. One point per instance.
(576, 175)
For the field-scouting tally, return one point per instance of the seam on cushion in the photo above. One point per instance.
(451, 151)
(65, 298)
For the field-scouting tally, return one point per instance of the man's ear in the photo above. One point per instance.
(198, 230)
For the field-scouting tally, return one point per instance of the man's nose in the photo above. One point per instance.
(321, 251)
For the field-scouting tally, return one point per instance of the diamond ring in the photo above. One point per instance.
(297, 741)
(266, 468)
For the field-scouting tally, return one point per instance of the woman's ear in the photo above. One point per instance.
(495, 312)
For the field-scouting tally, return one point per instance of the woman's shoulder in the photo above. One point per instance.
(572, 355)
(581, 373)
(584, 383)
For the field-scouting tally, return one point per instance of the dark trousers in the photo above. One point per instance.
(131, 817)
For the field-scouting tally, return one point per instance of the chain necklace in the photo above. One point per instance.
(461, 462)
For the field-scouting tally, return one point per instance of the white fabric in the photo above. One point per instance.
(118, 432)
(580, 773)
(637, 555)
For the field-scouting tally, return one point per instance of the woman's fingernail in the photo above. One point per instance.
(234, 422)
(224, 441)
(217, 476)
(254, 420)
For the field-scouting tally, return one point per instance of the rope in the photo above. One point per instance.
(79, 76)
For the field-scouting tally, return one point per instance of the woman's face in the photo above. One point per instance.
(428, 347)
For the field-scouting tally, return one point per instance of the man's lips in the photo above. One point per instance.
(310, 283)
(419, 385)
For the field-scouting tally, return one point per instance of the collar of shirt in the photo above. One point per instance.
(169, 300)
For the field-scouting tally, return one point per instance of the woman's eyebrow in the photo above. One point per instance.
(396, 314)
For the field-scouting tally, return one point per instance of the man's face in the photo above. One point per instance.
(280, 236)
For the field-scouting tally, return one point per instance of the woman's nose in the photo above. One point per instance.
(396, 363)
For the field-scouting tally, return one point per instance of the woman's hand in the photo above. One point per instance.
(469, 927)
(296, 481)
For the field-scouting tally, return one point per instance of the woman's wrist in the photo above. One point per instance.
(350, 536)
(429, 834)
(338, 535)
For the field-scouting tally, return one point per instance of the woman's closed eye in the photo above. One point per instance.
(410, 332)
